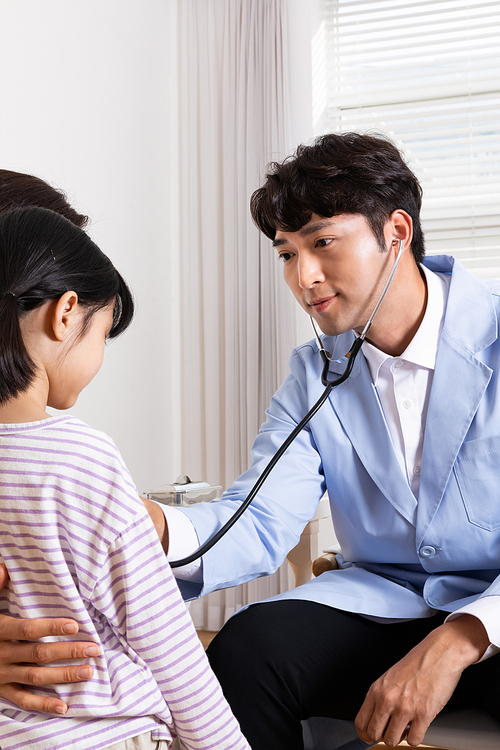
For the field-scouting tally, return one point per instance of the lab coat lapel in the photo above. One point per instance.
(459, 383)
(359, 410)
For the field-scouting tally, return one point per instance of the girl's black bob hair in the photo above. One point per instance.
(42, 256)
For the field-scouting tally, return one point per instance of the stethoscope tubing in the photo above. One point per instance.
(329, 386)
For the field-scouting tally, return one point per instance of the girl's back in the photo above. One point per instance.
(78, 542)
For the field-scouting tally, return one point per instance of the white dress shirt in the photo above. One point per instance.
(403, 385)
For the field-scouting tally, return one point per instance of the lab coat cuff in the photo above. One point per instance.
(487, 610)
(183, 541)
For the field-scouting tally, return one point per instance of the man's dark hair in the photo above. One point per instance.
(345, 173)
(18, 189)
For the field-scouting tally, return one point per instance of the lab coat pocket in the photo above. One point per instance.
(477, 471)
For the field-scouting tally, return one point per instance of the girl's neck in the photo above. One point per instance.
(25, 408)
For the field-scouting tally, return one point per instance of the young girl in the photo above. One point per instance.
(75, 537)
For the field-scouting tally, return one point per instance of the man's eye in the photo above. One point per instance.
(285, 256)
(323, 241)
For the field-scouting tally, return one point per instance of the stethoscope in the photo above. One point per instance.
(350, 358)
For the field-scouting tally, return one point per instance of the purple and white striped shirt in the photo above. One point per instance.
(78, 542)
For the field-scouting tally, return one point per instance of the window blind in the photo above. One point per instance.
(427, 74)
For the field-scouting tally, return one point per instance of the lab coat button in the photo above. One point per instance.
(427, 551)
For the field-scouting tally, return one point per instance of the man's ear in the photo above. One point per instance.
(65, 315)
(400, 226)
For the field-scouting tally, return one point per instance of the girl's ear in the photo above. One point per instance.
(65, 315)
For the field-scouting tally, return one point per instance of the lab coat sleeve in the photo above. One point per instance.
(487, 610)
(260, 540)
(182, 542)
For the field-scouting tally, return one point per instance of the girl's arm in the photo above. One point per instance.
(138, 596)
(160, 523)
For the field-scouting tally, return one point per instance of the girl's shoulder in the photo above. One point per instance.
(90, 445)
(76, 459)
(66, 435)
(58, 424)
(79, 432)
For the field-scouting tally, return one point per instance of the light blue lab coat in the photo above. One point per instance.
(403, 558)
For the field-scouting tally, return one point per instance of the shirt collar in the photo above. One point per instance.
(422, 349)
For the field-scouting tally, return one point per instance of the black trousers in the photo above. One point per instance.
(281, 662)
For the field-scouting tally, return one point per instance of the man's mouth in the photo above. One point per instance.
(321, 304)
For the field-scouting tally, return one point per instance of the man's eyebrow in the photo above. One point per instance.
(307, 230)
(311, 228)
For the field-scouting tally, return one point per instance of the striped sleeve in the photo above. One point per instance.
(138, 595)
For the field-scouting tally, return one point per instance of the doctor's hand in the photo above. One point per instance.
(402, 703)
(19, 659)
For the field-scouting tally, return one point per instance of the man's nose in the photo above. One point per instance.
(309, 270)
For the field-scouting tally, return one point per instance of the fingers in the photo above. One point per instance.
(20, 660)
(4, 576)
(33, 675)
(14, 675)
(391, 735)
(17, 629)
(396, 731)
(12, 654)
(29, 702)
(408, 697)
(382, 719)
(416, 732)
(362, 720)
(372, 725)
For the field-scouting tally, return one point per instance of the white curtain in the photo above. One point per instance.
(238, 319)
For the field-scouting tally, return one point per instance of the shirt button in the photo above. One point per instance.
(433, 602)
(416, 470)
(427, 551)
(407, 403)
(399, 363)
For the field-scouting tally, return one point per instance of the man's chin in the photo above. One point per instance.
(330, 328)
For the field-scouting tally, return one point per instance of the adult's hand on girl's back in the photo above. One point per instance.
(20, 658)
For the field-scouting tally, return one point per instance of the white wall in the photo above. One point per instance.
(88, 103)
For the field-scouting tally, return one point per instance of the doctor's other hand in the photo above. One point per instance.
(402, 703)
(20, 660)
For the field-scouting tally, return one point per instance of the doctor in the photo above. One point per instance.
(408, 449)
